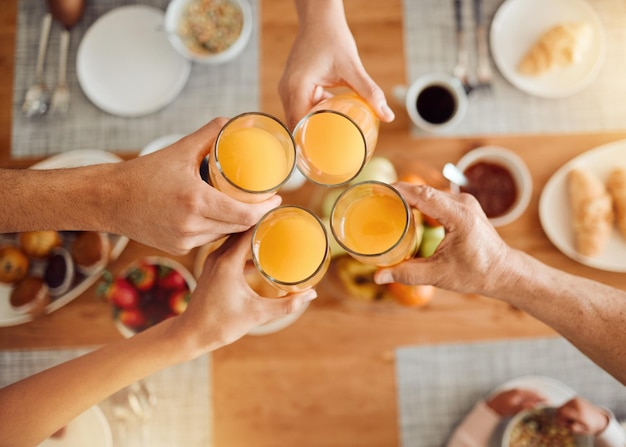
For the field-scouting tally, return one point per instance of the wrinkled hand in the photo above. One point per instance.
(325, 55)
(510, 402)
(223, 306)
(472, 258)
(582, 417)
(166, 204)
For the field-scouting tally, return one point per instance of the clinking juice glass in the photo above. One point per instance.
(336, 139)
(253, 156)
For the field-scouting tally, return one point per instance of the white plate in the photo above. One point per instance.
(8, 316)
(555, 391)
(90, 428)
(554, 211)
(517, 24)
(160, 143)
(126, 65)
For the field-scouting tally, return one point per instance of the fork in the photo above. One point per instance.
(460, 70)
(484, 75)
(61, 95)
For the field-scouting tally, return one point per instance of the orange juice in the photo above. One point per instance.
(253, 159)
(290, 248)
(373, 224)
(333, 145)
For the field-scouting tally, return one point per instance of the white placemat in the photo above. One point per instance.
(438, 385)
(430, 45)
(211, 91)
(181, 417)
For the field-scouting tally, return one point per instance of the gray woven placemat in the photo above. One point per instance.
(182, 416)
(438, 385)
(430, 45)
(211, 91)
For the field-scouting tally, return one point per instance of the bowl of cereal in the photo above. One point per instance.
(539, 427)
(209, 31)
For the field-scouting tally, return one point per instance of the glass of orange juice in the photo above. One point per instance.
(253, 156)
(335, 139)
(290, 248)
(374, 224)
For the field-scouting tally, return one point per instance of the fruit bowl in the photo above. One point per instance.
(147, 292)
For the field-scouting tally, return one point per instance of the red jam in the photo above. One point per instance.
(493, 186)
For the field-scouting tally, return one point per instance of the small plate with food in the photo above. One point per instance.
(42, 271)
(548, 48)
(595, 235)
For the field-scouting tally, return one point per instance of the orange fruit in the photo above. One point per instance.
(412, 296)
(414, 179)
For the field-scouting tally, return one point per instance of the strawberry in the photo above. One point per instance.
(170, 278)
(178, 301)
(133, 318)
(120, 293)
(143, 277)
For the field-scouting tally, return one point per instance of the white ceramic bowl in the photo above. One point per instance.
(173, 15)
(515, 165)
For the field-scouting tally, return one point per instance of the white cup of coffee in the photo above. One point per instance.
(435, 102)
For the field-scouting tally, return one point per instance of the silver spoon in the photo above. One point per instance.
(454, 174)
(37, 98)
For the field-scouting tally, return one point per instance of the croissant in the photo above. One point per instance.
(592, 212)
(559, 47)
(616, 184)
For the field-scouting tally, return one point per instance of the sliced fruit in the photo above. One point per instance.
(358, 279)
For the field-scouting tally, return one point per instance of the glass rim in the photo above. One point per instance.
(282, 125)
(318, 269)
(302, 122)
(407, 224)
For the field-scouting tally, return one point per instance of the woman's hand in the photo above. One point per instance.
(325, 55)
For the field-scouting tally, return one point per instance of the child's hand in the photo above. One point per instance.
(510, 402)
(582, 417)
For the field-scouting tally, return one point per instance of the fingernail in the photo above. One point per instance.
(309, 295)
(383, 277)
(386, 111)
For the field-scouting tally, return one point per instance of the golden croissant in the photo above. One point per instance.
(561, 46)
(592, 212)
(616, 184)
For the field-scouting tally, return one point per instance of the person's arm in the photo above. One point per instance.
(473, 258)
(325, 55)
(158, 199)
(613, 435)
(478, 426)
(585, 418)
(223, 308)
(476, 429)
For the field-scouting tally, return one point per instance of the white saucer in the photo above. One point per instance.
(160, 143)
(90, 428)
(126, 65)
(519, 23)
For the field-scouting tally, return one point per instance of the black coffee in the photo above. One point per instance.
(436, 104)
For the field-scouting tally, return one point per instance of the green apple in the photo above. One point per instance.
(378, 168)
(335, 248)
(431, 239)
(329, 200)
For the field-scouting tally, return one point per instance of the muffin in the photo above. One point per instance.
(14, 264)
(39, 244)
(90, 251)
(59, 273)
(30, 296)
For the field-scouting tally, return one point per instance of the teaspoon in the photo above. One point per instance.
(37, 98)
(454, 174)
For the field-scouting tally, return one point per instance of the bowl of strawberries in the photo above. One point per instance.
(147, 292)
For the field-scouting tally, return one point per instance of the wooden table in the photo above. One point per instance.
(328, 380)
